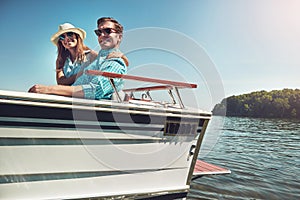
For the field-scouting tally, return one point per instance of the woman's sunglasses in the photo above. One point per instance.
(106, 31)
(69, 35)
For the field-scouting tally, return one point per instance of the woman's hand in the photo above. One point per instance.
(118, 55)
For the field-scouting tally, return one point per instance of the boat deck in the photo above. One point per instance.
(203, 168)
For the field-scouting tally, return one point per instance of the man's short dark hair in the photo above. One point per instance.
(118, 26)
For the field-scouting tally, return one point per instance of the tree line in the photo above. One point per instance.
(274, 104)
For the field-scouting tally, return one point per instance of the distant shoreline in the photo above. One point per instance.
(283, 103)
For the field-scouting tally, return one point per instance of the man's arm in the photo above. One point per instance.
(99, 87)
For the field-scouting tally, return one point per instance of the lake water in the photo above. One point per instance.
(262, 154)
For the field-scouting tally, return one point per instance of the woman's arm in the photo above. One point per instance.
(64, 90)
(61, 79)
(93, 55)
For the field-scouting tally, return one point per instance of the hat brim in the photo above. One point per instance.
(79, 31)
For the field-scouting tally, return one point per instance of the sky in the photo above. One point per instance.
(227, 47)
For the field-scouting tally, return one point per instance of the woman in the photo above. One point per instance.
(73, 55)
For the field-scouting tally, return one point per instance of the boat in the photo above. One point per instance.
(56, 147)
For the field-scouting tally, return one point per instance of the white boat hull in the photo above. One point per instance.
(64, 148)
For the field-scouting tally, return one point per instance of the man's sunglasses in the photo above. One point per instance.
(106, 31)
(69, 35)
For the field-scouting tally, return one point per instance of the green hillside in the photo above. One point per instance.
(274, 104)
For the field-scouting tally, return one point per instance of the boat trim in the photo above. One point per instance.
(38, 177)
(196, 152)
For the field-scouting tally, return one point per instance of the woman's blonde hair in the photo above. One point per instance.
(64, 53)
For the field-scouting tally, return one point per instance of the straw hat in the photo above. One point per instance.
(64, 28)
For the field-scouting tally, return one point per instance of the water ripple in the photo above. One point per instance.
(263, 156)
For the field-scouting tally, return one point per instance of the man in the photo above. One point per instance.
(109, 34)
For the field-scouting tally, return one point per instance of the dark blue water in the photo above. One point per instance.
(262, 154)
